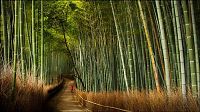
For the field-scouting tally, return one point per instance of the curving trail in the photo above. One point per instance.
(64, 101)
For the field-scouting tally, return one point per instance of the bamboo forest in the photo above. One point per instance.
(99, 56)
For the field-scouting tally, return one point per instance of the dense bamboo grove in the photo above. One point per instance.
(139, 45)
(107, 45)
(28, 47)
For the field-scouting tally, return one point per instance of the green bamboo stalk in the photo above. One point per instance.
(33, 40)
(10, 32)
(130, 54)
(196, 46)
(15, 50)
(150, 47)
(5, 38)
(190, 48)
(29, 40)
(21, 38)
(164, 47)
(183, 80)
(171, 42)
(42, 43)
(134, 52)
(120, 47)
(9, 38)
(177, 63)
(140, 57)
(148, 67)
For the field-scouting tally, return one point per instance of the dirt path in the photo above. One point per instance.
(64, 101)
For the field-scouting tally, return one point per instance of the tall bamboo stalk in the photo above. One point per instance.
(178, 27)
(120, 47)
(42, 43)
(177, 63)
(4, 24)
(33, 39)
(149, 47)
(196, 47)
(164, 47)
(190, 48)
(15, 49)
(21, 38)
(172, 56)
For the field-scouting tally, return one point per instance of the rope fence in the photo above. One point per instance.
(100, 105)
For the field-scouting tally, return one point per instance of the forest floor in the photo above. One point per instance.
(64, 101)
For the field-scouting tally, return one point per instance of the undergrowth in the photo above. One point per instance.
(29, 95)
(139, 101)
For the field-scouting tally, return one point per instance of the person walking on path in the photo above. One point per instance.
(72, 85)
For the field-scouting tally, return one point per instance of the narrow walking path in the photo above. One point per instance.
(65, 101)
